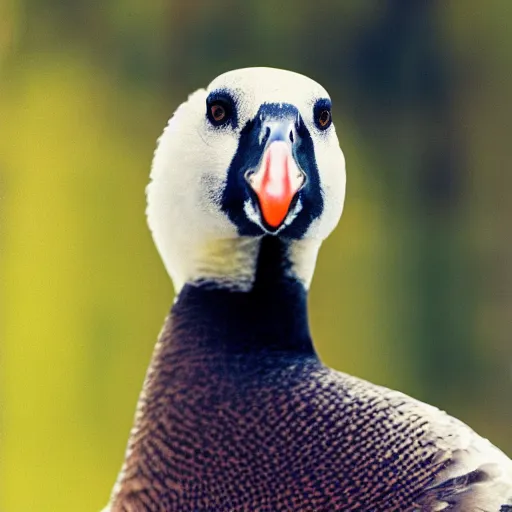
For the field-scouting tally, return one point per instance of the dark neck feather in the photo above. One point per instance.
(270, 318)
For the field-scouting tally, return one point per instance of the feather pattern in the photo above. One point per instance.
(237, 411)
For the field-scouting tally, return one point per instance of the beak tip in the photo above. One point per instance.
(276, 183)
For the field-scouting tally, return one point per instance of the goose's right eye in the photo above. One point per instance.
(219, 112)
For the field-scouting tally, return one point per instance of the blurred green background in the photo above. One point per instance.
(413, 291)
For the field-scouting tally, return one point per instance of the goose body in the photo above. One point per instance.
(237, 412)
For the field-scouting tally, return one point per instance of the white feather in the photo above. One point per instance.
(194, 237)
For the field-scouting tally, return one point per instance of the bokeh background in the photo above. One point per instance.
(413, 291)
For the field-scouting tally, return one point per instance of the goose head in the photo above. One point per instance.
(253, 155)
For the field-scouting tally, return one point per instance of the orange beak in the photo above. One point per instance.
(276, 182)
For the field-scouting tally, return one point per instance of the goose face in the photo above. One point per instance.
(254, 154)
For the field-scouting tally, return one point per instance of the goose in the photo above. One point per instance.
(237, 412)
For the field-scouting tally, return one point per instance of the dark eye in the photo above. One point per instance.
(219, 112)
(322, 113)
(324, 119)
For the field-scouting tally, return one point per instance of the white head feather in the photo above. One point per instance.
(195, 238)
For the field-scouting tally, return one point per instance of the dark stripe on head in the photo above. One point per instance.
(251, 146)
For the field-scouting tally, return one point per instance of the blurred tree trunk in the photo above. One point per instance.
(402, 67)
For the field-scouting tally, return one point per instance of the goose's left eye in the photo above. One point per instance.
(324, 119)
(322, 114)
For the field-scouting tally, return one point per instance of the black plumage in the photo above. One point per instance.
(248, 419)
(237, 412)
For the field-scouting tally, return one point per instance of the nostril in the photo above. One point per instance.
(291, 136)
(264, 139)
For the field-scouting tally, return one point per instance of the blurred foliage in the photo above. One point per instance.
(413, 291)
